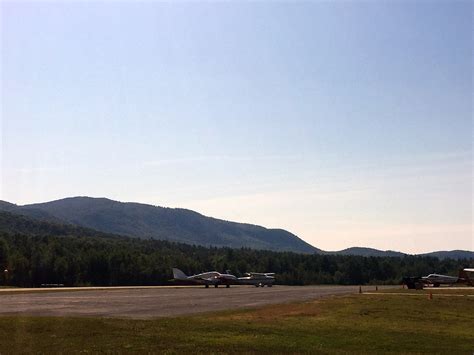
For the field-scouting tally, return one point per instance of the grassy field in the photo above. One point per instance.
(433, 290)
(351, 324)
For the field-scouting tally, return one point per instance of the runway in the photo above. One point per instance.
(152, 302)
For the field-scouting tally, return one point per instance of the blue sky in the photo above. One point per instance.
(347, 123)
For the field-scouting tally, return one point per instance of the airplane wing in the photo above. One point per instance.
(262, 274)
(211, 280)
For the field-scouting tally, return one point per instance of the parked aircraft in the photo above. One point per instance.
(206, 278)
(258, 279)
(436, 280)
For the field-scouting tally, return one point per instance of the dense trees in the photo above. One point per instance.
(100, 260)
(40, 252)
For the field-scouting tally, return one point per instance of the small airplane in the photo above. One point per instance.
(206, 278)
(258, 279)
(436, 280)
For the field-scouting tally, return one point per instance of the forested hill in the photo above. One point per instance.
(181, 225)
(11, 223)
(357, 251)
(367, 252)
(38, 253)
(172, 224)
(452, 254)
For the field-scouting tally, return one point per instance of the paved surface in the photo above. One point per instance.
(157, 301)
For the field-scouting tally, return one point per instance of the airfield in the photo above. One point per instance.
(242, 319)
(156, 301)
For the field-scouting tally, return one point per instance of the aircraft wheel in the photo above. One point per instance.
(216, 285)
(227, 286)
(207, 286)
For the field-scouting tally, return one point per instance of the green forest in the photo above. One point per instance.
(38, 252)
(99, 261)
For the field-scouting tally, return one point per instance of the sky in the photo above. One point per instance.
(348, 123)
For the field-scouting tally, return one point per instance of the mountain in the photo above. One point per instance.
(368, 252)
(103, 216)
(147, 221)
(7, 206)
(28, 211)
(12, 223)
(453, 254)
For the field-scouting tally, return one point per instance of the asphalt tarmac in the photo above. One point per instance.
(152, 302)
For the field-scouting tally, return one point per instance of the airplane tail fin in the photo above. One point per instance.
(178, 274)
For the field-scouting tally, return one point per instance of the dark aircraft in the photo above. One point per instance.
(206, 278)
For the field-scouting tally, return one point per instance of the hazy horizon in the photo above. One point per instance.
(345, 123)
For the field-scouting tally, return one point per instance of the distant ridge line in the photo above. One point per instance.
(145, 221)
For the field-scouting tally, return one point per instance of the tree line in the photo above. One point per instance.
(99, 260)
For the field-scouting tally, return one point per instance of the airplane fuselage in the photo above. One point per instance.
(437, 279)
(257, 279)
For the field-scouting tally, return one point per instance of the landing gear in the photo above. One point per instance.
(227, 286)
(216, 285)
(207, 286)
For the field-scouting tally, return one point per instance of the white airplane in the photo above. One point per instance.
(258, 279)
(206, 278)
(436, 279)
